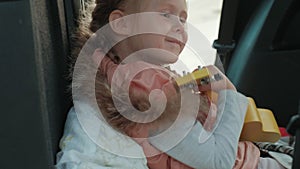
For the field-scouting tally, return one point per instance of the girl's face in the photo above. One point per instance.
(167, 17)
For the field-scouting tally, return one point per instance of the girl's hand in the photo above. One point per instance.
(207, 114)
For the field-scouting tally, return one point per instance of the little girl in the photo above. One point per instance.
(121, 75)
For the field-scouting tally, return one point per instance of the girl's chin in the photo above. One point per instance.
(166, 59)
(172, 60)
(160, 56)
(171, 55)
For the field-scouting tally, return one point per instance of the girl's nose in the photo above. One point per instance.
(178, 26)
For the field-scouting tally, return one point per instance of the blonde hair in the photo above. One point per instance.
(93, 18)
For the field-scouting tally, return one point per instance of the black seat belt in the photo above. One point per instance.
(293, 128)
(225, 43)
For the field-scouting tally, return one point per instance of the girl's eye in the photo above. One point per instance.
(182, 20)
(166, 14)
(169, 16)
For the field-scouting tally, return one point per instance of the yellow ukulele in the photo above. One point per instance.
(259, 125)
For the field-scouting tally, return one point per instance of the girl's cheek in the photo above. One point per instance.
(185, 37)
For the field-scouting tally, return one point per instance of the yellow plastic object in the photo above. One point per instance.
(196, 77)
(191, 77)
(259, 125)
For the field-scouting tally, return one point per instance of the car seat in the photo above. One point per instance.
(34, 69)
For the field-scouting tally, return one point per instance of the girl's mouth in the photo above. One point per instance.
(175, 41)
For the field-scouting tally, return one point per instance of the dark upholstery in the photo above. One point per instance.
(33, 68)
(266, 61)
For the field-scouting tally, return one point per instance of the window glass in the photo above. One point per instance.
(205, 16)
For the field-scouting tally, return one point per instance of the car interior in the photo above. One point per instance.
(258, 44)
